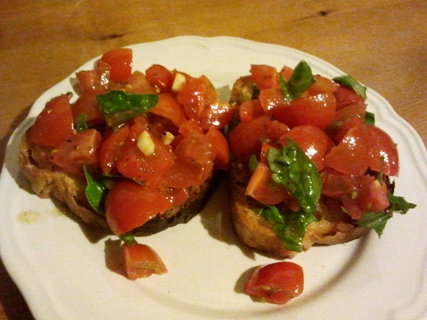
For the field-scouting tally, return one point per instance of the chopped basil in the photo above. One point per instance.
(119, 106)
(300, 80)
(253, 162)
(128, 239)
(289, 226)
(369, 118)
(291, 167)
(399, 204)
(374, 220)
(81, 123)
(349, 81)
(95, 191)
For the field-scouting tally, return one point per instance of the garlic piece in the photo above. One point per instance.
(145, 143)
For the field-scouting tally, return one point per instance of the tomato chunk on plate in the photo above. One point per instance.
(141, 261)
(276, 283)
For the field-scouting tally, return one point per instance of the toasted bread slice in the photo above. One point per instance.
(332, 227)
(48, 181)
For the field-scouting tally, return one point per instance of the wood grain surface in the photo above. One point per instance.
(383, 43)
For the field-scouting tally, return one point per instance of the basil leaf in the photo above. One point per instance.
(119, 106)
(374, 220)
(253, 162)
(128, 239)
(369, 118)
(80, 124)
(95, 191)
(300, 80)
(399, 204)
(291, 167)
(349, 81)
(289, 226)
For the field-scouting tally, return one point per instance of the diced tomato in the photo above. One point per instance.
(383, 153)
(54, 124)
(197, 95)
(77, 150)
(250, 109)
(221, 148)
(344, 119)
(246, 138)
(262, 188)
(137, 83)
(346, 96)
(217, 115)
(351, 155)
(149, 168)
(95, 80)
(337, 184)
(160, 77)
(169, 108)
(141, 261)
(110, 150)
(265, 77)
(194, 161)
(130, 205)
(87, 105)
(313, 141)
(276, 283)
(322, 85)
(317, 110)
(368, 197)
(120, 62)
(272, 99)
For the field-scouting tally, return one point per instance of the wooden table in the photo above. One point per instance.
(383, 43)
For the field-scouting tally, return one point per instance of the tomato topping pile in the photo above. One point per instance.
(307, 139)
(151, 135)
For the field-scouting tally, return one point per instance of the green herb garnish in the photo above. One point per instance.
(300, 80)
(95, 191)
(119, 106)
(128, 239)
(291, 167)
(349, 81)
(399, 204)
(289, 226)
(253, 162)
(369, 118)
(374, 220)
(81, 123)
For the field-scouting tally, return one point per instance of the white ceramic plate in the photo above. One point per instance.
(60, 266)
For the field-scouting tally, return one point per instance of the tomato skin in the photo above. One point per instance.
(120, 62)
(246, 138)
(134, 164)
(313, 141)
(346, 96)
(54, 124)
(77, 150)
(221, 147)
(262, 188)
(130, 205)
(351, 155)
(169, 108)
(110, 150)
(138, 83)
(271, 100)
(250, 109)
(141, 261)
(197, 95)
(194, 160)
(160, 77)
(383, 153)
(217, 115)
(95, 80)
(264, 76)
(317, 110)
(276, 283)
(322, 85)
(87, 105)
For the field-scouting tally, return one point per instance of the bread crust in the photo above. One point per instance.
(48, 181)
